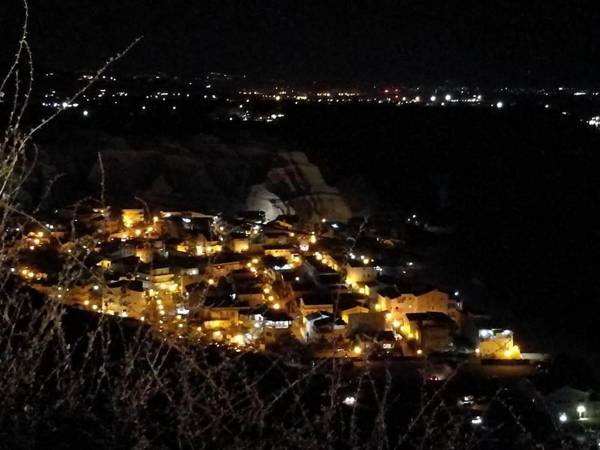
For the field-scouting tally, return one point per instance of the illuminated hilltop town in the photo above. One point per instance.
(249, 283)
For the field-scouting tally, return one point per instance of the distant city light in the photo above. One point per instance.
(349, 401)
(477, 420)
(448, 97)
(85, 113)
(499, 105)
(563, 417)
(433, 98)
(594, 121)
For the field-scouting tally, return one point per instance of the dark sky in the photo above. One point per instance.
(501, 42)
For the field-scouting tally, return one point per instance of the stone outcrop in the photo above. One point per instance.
(294, 185)
(201, 172)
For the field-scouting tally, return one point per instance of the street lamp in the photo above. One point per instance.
(349, 400)
(581, 411)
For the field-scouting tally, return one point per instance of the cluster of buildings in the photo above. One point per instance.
(249, 282)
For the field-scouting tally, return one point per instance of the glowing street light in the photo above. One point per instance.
(349, 401)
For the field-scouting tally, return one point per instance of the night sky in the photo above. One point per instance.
(468, 41)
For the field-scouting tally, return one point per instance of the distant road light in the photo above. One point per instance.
(349, 401)
(85, 113)
(433, 98)
(448, 97)
(499, 105)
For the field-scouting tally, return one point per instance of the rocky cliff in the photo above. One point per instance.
(198, 173)
(293, 185)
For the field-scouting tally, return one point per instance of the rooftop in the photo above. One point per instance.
(430, 316)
